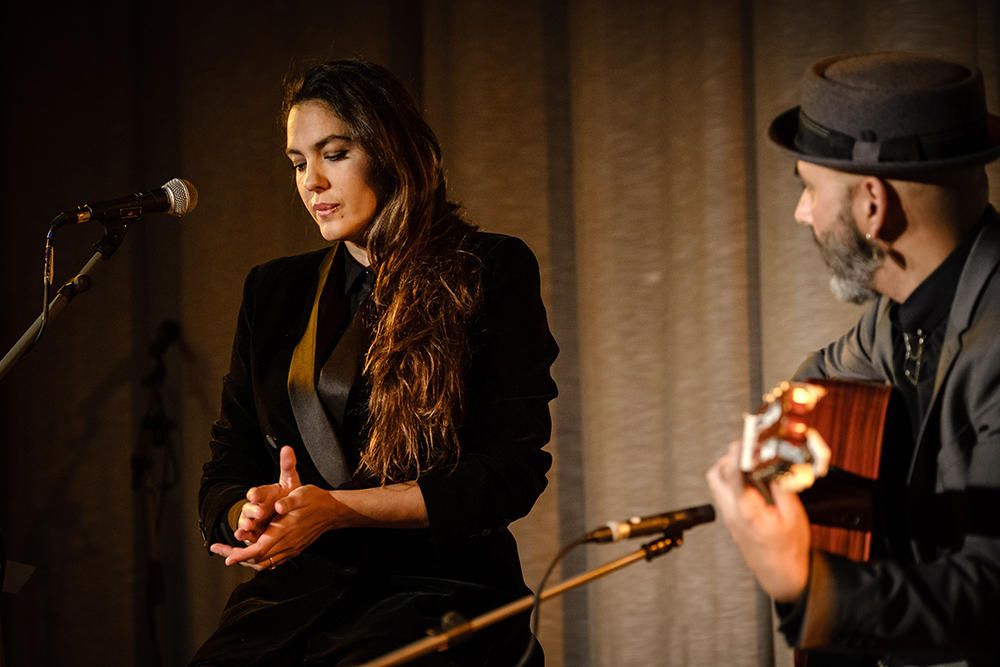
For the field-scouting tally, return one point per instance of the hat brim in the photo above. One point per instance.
(784, 128)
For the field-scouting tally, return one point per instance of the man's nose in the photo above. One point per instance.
(803, 210)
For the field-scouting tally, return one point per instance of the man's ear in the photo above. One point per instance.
(875, 203)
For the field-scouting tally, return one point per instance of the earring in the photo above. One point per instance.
(868, 237)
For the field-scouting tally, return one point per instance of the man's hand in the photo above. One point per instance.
(774, 539)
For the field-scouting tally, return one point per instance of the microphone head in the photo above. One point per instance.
(699, 515)
(183, 196)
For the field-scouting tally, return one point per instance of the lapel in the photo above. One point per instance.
(342, 368)
(318, 433)
(283, 305)
(882, 349)
(980, 265)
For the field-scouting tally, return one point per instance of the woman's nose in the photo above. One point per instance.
(314, 180)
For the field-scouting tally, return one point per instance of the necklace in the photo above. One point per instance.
(914, 355)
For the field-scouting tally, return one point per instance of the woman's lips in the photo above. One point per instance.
(325, 210)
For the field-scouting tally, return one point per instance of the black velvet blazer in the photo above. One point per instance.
(502, 468)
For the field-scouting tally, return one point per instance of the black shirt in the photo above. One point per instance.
(347, 286)
(918, 328)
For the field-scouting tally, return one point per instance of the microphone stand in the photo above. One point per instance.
(452, 633)
(81, 282)
(114, 233)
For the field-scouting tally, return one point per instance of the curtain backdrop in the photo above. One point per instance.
(624, 141)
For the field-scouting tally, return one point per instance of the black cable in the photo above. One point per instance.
(537, 600)
(48, 271)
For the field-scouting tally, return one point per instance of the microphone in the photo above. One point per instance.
(177, 197)
(656, 523)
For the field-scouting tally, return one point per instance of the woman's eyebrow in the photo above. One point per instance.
(322, 142)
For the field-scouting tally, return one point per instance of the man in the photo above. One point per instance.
(891, 151)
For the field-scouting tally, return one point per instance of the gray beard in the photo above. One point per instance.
(852, 260)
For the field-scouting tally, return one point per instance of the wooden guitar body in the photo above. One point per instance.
(850, 418)
(841, 505)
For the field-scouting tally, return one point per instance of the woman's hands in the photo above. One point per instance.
(279, 521)
(257, 512)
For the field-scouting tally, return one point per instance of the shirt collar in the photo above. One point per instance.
(928, 306)
(353, 269)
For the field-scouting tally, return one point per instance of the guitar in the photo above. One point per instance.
(824, 440)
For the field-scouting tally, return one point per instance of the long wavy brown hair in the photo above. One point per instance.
(427, 285)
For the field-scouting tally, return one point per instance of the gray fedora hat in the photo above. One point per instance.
(890, 114)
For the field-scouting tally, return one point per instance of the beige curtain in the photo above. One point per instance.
(624, 141)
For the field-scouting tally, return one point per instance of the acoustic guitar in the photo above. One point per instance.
(824, 440)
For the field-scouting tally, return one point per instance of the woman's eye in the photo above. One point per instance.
(333, 157)
(298, 166)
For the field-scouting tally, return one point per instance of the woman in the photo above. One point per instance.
(386, 405)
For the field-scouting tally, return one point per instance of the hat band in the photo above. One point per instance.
(817, 140)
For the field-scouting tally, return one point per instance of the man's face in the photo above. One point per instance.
(826, 205)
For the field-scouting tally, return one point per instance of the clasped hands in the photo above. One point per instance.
(773, 539)
(280, 520)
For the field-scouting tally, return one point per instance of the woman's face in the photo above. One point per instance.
(331, 172)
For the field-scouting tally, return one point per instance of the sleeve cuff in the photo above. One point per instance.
(818, 603)
(218, 529)
(791, 614)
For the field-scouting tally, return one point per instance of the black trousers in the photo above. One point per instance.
(310, 611)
